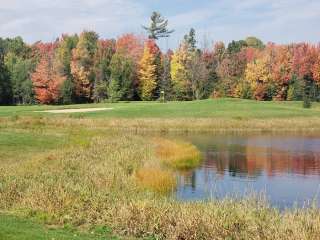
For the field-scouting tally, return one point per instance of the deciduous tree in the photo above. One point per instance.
(148, 71)
(179, 74)
(46, 79)
(82, 65)
(259, 76)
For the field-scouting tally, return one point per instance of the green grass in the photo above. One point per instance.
(14, 228)
(217, 108)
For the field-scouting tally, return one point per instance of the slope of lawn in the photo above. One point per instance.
(212, 108)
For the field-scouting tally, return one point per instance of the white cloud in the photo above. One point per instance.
(271, 20)
(47, 19)
(281, 21)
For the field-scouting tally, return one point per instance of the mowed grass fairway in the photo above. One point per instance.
(218, 108)
(76, 175)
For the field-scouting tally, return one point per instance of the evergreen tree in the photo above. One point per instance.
(308, 91)
(165, 82)
(190, 40)
(66, 92)
(103, 57)
(158, 27)
(121, 81)
(5, 85)
(236, 46)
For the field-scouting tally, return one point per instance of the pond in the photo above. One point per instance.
(284, 168)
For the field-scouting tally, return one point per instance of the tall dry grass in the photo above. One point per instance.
(177, 154)
(145, 125)
(158, 180)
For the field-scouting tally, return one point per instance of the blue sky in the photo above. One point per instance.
(281, 21)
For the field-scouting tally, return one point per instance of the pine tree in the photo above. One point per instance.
(190, 40)
(158, 27)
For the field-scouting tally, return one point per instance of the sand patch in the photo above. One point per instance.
(78, 110)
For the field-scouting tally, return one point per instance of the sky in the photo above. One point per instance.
(280, 21)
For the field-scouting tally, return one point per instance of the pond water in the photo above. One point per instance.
(285, 169)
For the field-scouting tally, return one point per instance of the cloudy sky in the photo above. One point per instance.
(281, 21)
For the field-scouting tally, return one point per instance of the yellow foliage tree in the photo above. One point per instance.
(258, 75)
(148, 74)
(179, 73)
(82, 65)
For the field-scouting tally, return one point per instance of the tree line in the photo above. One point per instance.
(85, 68)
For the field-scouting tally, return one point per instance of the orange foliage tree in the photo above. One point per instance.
(282, 70)
(46, 79)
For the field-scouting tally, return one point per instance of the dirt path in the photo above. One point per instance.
(79, 110)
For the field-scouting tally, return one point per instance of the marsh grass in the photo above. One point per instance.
(158, 180)
(90, 180)
(177, 154)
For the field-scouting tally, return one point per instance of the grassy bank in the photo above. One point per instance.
(73, 170)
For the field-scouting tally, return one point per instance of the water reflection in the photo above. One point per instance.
(286, 168)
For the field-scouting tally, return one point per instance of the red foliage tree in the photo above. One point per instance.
(131, 45)
(282, 69)
(46, 79)
(316, 68)
(304, 58)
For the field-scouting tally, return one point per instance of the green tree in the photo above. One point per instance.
(190, 40)
(236, 46)
(20, 70)
(122, 73)
(5, 85)
(64, 57)
(103, 57)
(158, 27)
(66, 92)
(19, 64)
(308, 89)
(165, 81)
(255, 43)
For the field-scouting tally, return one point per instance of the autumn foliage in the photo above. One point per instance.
(46, 79)
(148, 70)
(85, 68)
